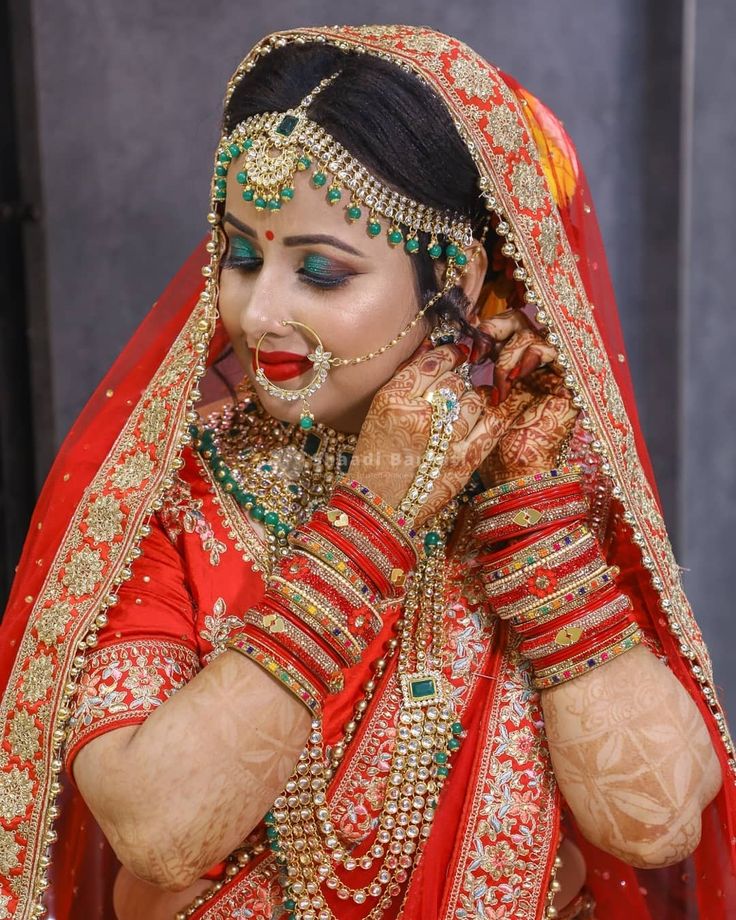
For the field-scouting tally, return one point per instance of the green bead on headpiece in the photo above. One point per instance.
(272, 147)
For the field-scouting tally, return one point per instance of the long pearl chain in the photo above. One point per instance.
(300, 826)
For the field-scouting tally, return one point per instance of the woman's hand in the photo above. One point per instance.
(534, 438)
(396, 432)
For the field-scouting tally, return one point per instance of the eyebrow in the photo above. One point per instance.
(239, 225)
(314, 239)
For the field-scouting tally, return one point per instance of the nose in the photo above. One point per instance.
(262, 310)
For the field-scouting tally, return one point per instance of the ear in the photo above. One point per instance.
(472, 279)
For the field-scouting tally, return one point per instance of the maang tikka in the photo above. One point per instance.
(272, 147)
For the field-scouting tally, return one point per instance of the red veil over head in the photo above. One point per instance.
(121, 454)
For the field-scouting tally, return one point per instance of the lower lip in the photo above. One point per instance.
(283, 370)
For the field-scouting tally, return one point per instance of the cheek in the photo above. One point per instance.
(229, 301)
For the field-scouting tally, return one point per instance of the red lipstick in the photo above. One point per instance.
(282, 365)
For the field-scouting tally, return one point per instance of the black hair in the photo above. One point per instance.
(392, 123)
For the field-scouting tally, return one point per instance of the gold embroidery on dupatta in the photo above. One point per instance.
(83, 571)
(548, 239)
(506, 130)
(23, 735)
(38, 677)
(16, 793)
(9, 850)
(154, 420)
(69, 609)
(472, 79)
(133, 471)
(528, 186)
(52, 622)
(104, 519)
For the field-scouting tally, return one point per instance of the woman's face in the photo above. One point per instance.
(306, 263)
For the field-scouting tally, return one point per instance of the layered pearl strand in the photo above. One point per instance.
(300, 826)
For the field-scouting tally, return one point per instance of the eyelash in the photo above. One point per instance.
(231, 261)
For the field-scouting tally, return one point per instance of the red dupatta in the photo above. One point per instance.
(119, 457)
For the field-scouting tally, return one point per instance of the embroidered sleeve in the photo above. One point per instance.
(147, 651)
(122, 685)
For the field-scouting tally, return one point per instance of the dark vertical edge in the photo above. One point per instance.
(26, 418)
(660, 326)
(689, 13)
(34, 234)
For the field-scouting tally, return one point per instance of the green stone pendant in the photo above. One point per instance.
(423, 688)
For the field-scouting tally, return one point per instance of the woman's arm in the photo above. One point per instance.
(174, 795)
(633, 758)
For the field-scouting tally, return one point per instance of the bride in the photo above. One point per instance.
(348, 594)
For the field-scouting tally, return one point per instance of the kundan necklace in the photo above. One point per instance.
(278, 472)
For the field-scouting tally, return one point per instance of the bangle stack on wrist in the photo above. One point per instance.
(544, 572)
(323, 604)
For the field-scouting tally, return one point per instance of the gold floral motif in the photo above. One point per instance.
(178, 363)
(528, 186)
(16, 793)
(9, 850)
(104, 519)
(154, 420)
(134, 470)
(567, 295)
(424, 42)
(470, 77)
(83, 571)
(23, 735)
(38, 678)
(4, 911)
(52, 622)
(548, 238)
(381, 32)
(505, 128)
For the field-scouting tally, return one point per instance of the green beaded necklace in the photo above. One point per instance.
(278, 473)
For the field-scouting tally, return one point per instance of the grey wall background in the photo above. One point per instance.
(128, 102)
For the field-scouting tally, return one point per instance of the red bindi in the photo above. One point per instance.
(269, 234)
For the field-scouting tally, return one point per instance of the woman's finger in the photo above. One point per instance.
(425, 370)
(448, 380)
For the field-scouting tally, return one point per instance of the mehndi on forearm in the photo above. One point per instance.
(633, 759)
(546, 576)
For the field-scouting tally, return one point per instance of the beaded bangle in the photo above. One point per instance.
(569, 629)
(551, 548)
(382, 512)
(281, 667)
(515, 522)
(630, 637)
(570, 598)
(528, 484)
(295, 642)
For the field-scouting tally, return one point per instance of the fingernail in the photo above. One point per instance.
(464, 350)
